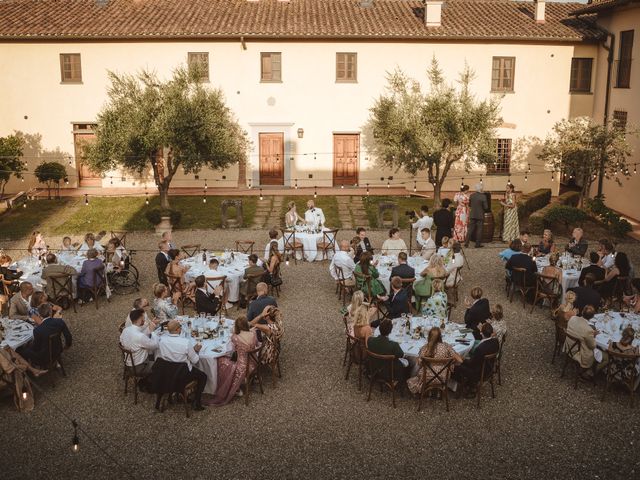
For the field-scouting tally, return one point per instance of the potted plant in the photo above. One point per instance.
(164, 219)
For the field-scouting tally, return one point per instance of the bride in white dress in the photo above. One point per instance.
(292, 218)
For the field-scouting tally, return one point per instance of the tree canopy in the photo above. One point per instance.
(10, 159)
(145, 118)
(581, 147)
(51, 174)
(417, 131)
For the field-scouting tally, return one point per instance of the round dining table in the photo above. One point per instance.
(570, 271)
(32, 268)
(309, 239)
(16, 333)
(232, 268)
(387, 262)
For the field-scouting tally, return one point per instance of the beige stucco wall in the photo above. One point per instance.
(626, 197)
(307, 98)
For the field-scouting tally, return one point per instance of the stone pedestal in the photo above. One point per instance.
(384, 206)
(231, 222)
(164, 225)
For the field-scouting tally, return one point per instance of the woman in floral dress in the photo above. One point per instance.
(462, 214)
(231, 373)
(511, 226)
(272, 332)
(436, 305)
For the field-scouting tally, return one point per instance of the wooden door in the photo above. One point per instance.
(272, 158)
(346, 151)
(86, 176)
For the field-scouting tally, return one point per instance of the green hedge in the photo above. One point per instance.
(556, 213)
(532, 202)
(616, 224)
(536, 220)
(569, 198)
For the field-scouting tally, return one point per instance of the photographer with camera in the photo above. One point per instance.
(421, 222)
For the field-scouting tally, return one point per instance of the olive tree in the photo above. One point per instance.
(10, 159)
(51, 174)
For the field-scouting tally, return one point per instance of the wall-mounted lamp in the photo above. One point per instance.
(300, 132)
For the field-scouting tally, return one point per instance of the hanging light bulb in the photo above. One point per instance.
(75, 442)
(481, 182)
(69, 161)
(552, 175)
(146, 198)
(205, 185)
(286, 261)
(367, 189)
(86, 199)
(525, 177)
(66, 180)
(414, 186)
(296, 186)
(25, 394)
(529, 171)
(261, 197)
(111, 180)
(249, 183)
(635, 170)
(509, 181)
(388, 184)
(342, 186)
(462, 182)
(315, 192)
(24, 205)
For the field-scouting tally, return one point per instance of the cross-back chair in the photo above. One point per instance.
(435, 377)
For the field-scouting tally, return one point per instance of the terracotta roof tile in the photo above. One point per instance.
(600, 5)
(397, 19)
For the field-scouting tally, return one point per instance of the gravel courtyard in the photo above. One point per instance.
(314, 424)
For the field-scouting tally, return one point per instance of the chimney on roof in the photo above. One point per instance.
(433, 13)
(539, 6)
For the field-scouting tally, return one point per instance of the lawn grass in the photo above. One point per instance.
(328, 204)
(20, 222)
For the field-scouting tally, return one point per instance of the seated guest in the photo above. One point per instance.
(398, 301)
(343, 260)
(271, 266)
(621, 268)
(19, 303)
(625, 346)
(261, 301)
(524, 239)
(587, 294)
(366, 268)
(578, 327)
(435, 268)
(633, 300)
(175, 273)
(607, 253)
(37, 245)
(55, 268)
(363, 245)
(552, 270)
(567, 310)
(115, 255)
(546, 245)
(248, 286)
(421, 221)
(177, 349)
(167, 237)
(578, 245)
(596, 270)
(37, 299)
(436, 305)
(88, 278)
(428, 245)
(214, 264)
(89, 243)
(507, 253)
(403, 270)
(37, 352)
(67, 247)
(381, 345)
(231, 373)
(273, 237)
(444, 220)
(139, 304)
(162, 307)
(497, 322)
(522, 260)
(138, 340)
(478, 311)
(207, 302)
(456, 262)
(439, 350)
(291, 218)
(470, 371)
(13, 373)
(8, 274)
(444, 247)
(269, 324)
(162, 260)
(394, 244)
(362, 325)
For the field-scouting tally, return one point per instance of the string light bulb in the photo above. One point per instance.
(25, 394)
(261, 197)
(635, 170)
(22, 179)
(552, 175)
(75, 442)
(296, 185)
(525, 177)
(111, 180)
(86, 199)
(388, 184)
(461, 182)
(367, 189)
(146, 198)
(205, 185)
(66, 180)
(286, 261)
(342, 186)
(414, 186)
(24, 205)
(315, 192)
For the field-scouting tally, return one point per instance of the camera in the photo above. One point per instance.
(410, 213)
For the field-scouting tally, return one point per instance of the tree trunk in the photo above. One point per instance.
(164, 195)
(436, 194)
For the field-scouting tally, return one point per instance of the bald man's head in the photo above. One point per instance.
(173, 326)
(345, 245)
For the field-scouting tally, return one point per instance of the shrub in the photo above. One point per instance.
(569, 198)
(536, 220)
(154, 215)
(531, 202)
(564, 214)
(612, 220)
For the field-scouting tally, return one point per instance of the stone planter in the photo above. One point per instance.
(164, 225)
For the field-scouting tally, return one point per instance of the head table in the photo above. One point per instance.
(215, 336)
(231, 266)
(309, 238)
(387, 262)
(15, 333)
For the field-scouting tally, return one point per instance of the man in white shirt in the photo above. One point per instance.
(343, 260)
(457, 261)
(423, 221)
(273, 235)
(138, 340)
(138, 304)
(177, 349)
(428, 245)
(314, 215)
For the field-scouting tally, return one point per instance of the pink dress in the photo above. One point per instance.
(462, 217)
(231, 374)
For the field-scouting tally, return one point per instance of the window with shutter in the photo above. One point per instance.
(270, 67)
(200, 61)
(346, 67)
(502, 164)
(580, 75)
(70, 68)
(502, 74)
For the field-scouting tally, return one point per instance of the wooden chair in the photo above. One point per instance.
(55, 358)
(176, 285)
(498, 362)
(4, 286)
(621, 369)
(619, 288)
(547, 288)
(407, 284)
(129, 373)
(245, 246)
(291, 244)
(450, 307)
(251, 281)
(211, 284)
(99, 285)
(574, 345)
(62, 289)
(466, 261)
(253, 357)
(356, 352)
(121, 327)
(486, 375)
(121, 236)
(343, 286)
(377, 374)
(187, 392)
(440, 370)
(191, 249)
(274, 365)
(519, 284)
(275, 289)
(560, 337)
(328, 243)
(452, 291)
(5, 295)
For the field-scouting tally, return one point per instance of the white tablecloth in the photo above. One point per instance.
(570, 276)
(234, 271)
(309, 242)
(611, 328)
(387, 262)
(212, 349)
(16, 333)
(32, 269)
